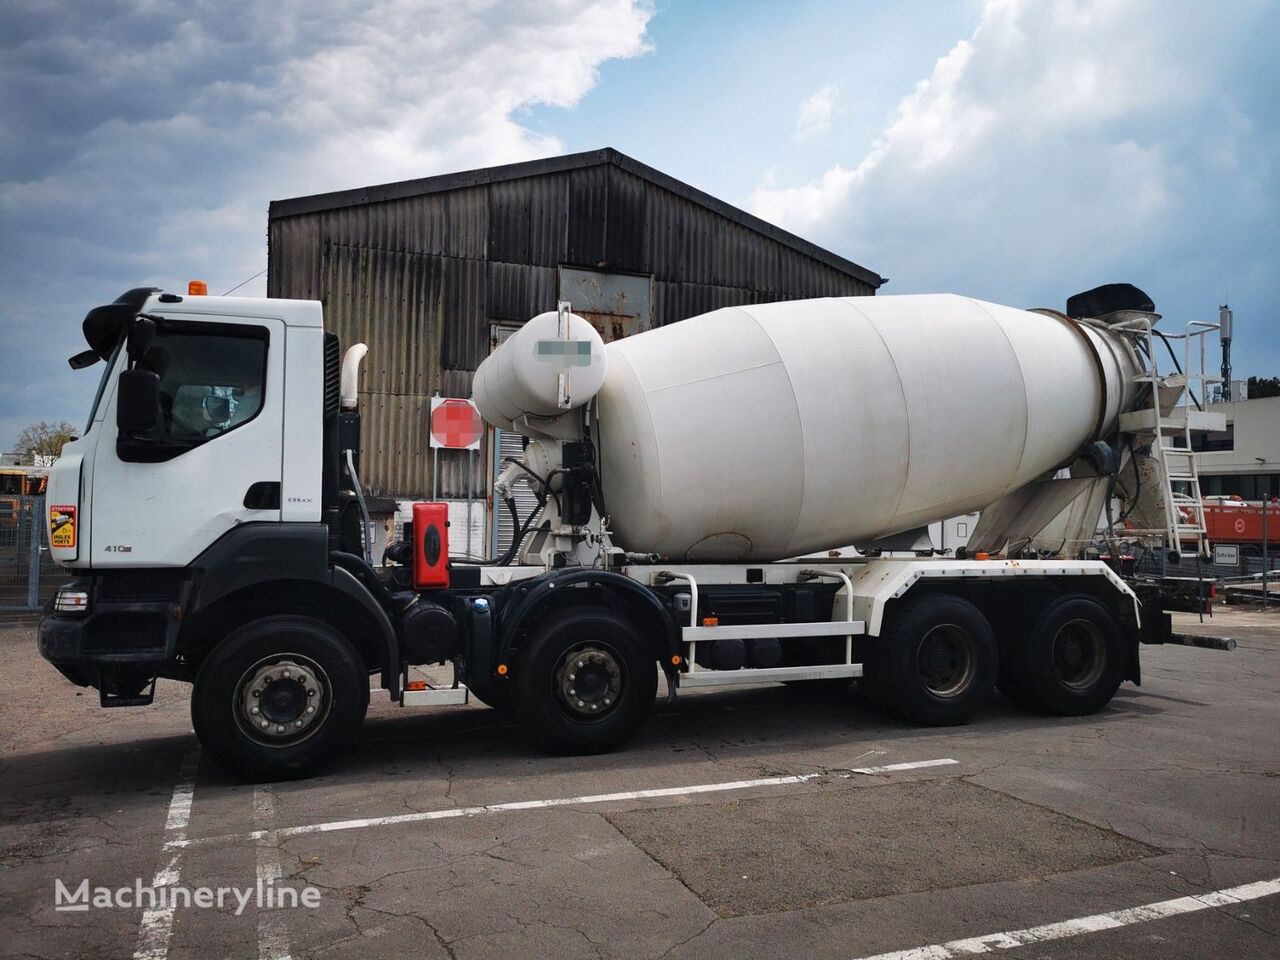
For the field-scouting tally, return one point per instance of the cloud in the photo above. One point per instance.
(814, 117)
(1063, 144)
(142, 141)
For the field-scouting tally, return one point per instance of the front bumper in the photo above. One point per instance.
(112, 632)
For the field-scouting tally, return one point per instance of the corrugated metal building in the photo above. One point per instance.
(431, 273)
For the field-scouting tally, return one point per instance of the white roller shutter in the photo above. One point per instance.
(507, 444)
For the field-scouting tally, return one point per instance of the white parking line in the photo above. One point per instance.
(157, 922)
(273, 934)
(1099, 921)
(453, 812)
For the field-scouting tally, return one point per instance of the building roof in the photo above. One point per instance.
(380, 193)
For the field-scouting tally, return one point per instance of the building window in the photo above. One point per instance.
(1249, 486)
(1216, 441)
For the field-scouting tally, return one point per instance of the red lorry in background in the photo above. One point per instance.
(1232, 520)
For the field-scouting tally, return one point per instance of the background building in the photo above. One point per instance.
(1245, 460)
(434, 273)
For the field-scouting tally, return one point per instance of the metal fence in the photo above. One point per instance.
(1249, 568)
(28, 575)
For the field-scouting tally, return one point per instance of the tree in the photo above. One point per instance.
(45, 440)
(1260, 387)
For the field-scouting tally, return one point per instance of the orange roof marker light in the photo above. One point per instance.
(197, 288)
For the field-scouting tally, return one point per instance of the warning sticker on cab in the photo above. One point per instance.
(62, 527)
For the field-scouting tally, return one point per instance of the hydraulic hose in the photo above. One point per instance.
(1176, 365)
(364, 510)
(521, 530)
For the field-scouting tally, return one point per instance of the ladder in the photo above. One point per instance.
(1184, 507)
(1169, 422)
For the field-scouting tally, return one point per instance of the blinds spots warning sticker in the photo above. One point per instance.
(62, 527)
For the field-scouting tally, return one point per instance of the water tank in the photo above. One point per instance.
(764, 432)
(521, 379)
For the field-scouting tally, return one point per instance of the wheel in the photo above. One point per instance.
(1073, 659)
(278, 697)
(587, 682)
(936, 662)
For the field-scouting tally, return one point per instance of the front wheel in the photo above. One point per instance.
(586, 682)
(936, 661)
(278, 697)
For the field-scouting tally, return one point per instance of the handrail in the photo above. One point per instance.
(816, 573)
(667, 576)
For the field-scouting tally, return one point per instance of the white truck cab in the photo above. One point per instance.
(237, 433)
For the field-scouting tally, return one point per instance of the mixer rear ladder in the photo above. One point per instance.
(1184, 509)
(1166, 420)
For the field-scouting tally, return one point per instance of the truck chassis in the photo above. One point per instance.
(278, 659)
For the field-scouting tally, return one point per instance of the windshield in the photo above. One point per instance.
(102, 383)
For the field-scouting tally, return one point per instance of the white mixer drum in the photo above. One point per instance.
(764, 432)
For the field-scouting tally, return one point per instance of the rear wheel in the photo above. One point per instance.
(587, 682)
(936, 661)
(1072, 662)
(278, 697)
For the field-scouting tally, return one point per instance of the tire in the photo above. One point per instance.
(304, 730)
(936, 662)
(1073, 659)
(1012, 683)
(621, 675)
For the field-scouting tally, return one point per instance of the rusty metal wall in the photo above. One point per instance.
(423, 279)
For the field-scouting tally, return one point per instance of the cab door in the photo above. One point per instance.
(213, 458)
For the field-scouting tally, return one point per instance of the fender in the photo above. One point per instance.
(527, 596)
(258, 553)
(346, 583)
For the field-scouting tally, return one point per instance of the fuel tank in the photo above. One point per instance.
(767, 431)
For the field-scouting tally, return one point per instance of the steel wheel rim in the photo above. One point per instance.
(282, 700)
(947, 659)
(589, 680)
(1079, 654)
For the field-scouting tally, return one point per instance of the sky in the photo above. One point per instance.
(1012, 150)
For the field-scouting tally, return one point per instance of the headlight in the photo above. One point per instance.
(71, 601)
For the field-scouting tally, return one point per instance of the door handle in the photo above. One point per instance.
(263, 495)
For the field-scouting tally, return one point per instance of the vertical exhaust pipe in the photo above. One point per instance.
(349, 383)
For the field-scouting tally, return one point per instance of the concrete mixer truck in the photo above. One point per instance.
(693, 483)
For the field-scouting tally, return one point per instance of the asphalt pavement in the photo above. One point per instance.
(764, 821)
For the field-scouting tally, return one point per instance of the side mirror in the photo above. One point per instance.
(85, 358)
(137, 401)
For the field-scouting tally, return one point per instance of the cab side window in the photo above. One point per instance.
(211, 381)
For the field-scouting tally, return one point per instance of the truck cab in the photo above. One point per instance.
(199, 492)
